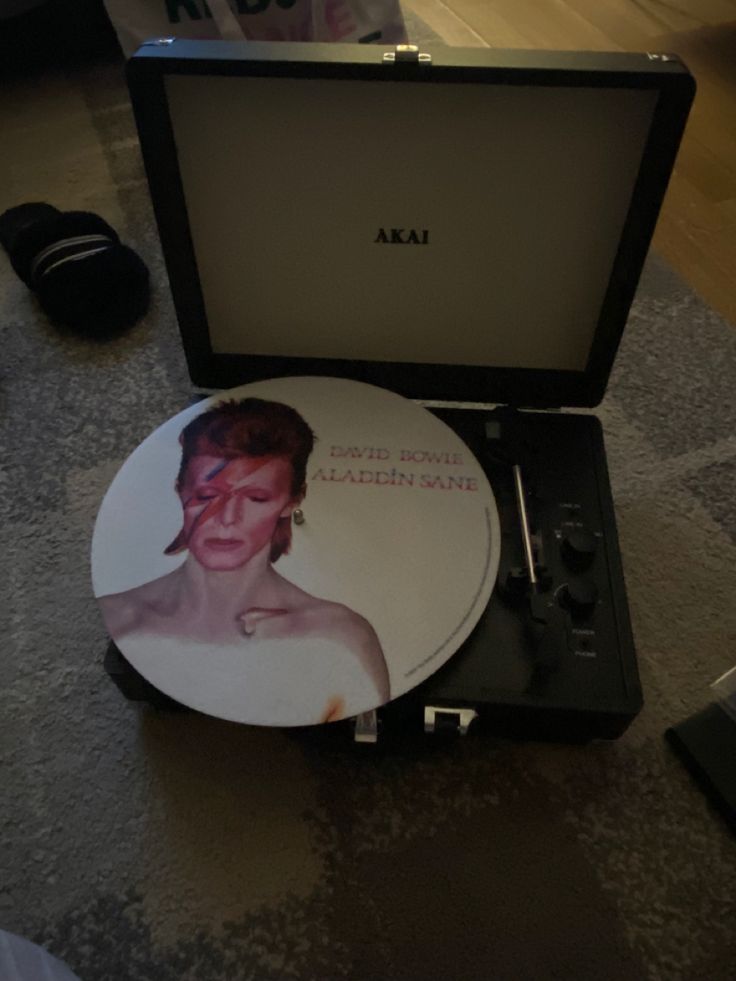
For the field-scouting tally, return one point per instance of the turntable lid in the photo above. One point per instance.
(468, 228)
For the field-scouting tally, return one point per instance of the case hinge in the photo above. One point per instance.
(445, 719)
(366, 727)
(407, 53)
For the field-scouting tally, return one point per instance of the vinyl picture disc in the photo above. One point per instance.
(295, 551)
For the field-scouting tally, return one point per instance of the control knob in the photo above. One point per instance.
(579, 597)
(578, 549)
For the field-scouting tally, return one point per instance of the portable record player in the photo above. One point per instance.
(466, 229)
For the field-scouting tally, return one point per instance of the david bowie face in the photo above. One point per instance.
(231, 507)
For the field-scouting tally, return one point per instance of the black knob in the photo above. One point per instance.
(578, 549)
(579, 597)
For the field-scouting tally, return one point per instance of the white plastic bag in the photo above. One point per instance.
(348, 21)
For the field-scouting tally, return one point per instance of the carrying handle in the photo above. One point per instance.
(227, 23)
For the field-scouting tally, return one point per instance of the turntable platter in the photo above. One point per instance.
(295, 551)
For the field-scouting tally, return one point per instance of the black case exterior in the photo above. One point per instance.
(585, 700)
(148, 69)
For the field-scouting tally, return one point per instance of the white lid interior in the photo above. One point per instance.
(521, 193)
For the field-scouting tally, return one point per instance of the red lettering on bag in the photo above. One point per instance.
(338, 19)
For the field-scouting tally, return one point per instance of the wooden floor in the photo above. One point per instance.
(697, 227)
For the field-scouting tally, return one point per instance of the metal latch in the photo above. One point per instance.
(407, 53)
(445, 719)
(366, 727)
(160, 41)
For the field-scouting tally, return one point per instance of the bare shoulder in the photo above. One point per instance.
(339, 623)
(122, 613)
(127, 612)
(329, 619)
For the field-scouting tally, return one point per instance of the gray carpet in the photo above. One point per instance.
(144, 846)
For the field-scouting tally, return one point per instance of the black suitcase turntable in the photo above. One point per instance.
(465, 228)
